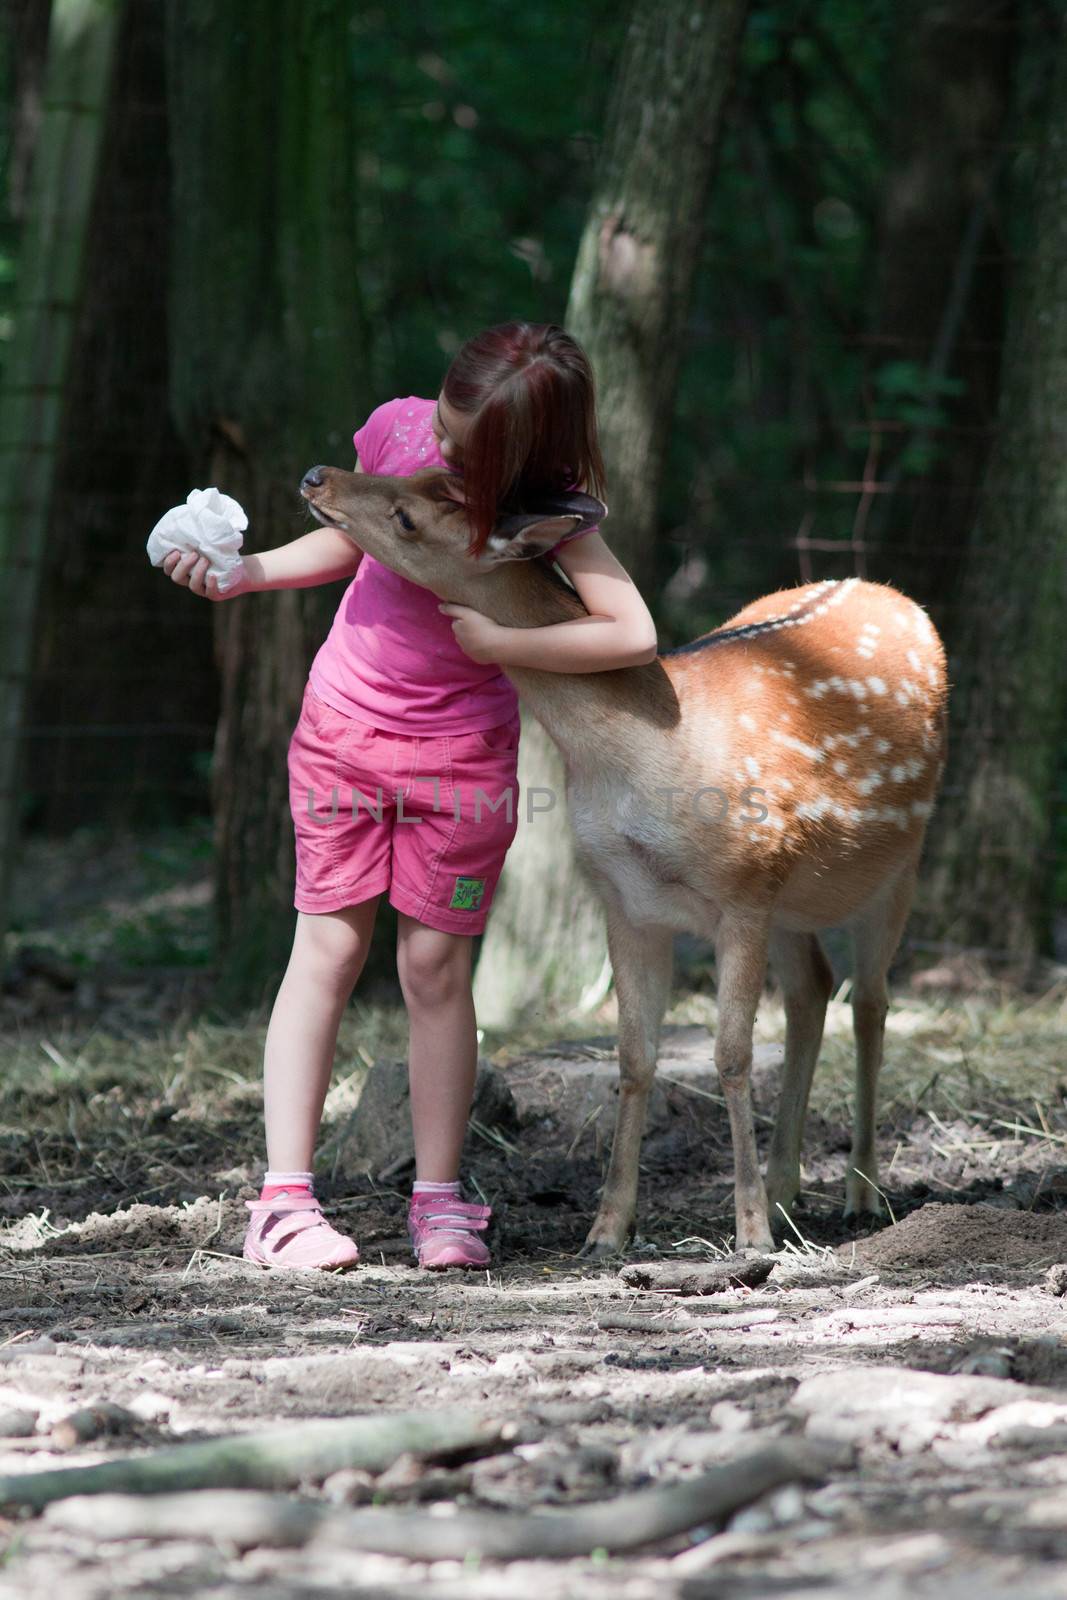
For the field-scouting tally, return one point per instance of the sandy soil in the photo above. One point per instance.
(930, 1355)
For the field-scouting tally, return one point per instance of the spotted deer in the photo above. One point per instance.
(769, 780)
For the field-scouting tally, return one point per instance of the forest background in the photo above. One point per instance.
(228, 230)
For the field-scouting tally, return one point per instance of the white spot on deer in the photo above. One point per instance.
(817, 690)
(745, 721)
(798, 745)
(870, 783)
(814, 809)
(751, 767)
(882, 746)
(876, 685)
(841, 767)
(895, 814)
(922, 808)
(858, 689)
(906, 770)
(784, 783)
(913, 660)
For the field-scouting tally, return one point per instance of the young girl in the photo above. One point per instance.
(405, 690)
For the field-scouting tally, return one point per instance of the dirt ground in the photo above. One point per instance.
(927, 1361)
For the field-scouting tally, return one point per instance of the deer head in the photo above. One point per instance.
(418, 525)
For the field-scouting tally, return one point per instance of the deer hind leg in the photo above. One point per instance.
(807, 982)
(741, 958)
(875, 937)
(641, 959)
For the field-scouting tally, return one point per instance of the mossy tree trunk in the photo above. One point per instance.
(80, 57)
(545, 946)
(267, 379)
(989, 867)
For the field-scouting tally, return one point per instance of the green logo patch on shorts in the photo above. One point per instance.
(468, 894)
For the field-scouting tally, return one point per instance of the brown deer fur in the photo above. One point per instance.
(770, 780)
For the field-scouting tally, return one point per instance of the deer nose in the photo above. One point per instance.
(313, 478)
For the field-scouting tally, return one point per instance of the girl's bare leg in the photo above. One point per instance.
(435, 975)
(329, 950)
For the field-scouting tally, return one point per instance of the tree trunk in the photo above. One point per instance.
(269, 348)
(940, 297)
(545, 945)
(111, 744)
(81, 49)
(1010, 710)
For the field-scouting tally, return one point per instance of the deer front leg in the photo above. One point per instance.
(741, 958)
(807, 981)
(641, 960)
(875, 937)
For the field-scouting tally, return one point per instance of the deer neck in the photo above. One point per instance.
(589, 715)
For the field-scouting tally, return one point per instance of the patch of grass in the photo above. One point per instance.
(987, 1054)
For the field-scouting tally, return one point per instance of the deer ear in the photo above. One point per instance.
(520, 535)
(573, 503)
(525, 534)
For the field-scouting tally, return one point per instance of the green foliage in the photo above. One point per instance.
(477, 127)
(8, 237)
(909, 393)
(771, 395)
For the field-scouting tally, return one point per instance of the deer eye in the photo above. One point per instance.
(404, 520)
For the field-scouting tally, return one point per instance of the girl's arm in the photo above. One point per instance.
(321, 556)
(317, 557)
(618, 632)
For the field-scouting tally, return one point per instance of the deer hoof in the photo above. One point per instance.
(606, 1239)
(754, 1240)
(600, 1250)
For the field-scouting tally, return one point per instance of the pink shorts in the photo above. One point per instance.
(428, 818)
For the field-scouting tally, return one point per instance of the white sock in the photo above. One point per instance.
(436, 1188)
(279, 1180)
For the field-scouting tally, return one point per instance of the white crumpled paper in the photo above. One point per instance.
(210, 523)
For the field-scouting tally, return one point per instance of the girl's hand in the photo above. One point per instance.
(191, 571)
(476, 634)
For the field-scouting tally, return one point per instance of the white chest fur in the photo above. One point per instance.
(624, 839)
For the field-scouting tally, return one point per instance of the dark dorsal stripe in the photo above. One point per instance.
(817, 601)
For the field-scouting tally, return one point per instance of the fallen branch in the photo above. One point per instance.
(279, 1459)
(892, 1317)
(681, 1321)
(105, 1419)
(699, 1277)
(624, 1523)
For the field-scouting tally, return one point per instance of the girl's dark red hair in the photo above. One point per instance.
(529, 389)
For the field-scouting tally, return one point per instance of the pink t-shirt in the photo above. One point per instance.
(390, 658)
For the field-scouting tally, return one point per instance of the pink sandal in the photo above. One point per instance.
(291, 1231)
(444, 1232)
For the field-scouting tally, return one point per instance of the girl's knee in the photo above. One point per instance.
(330, 948)
(434, 971)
